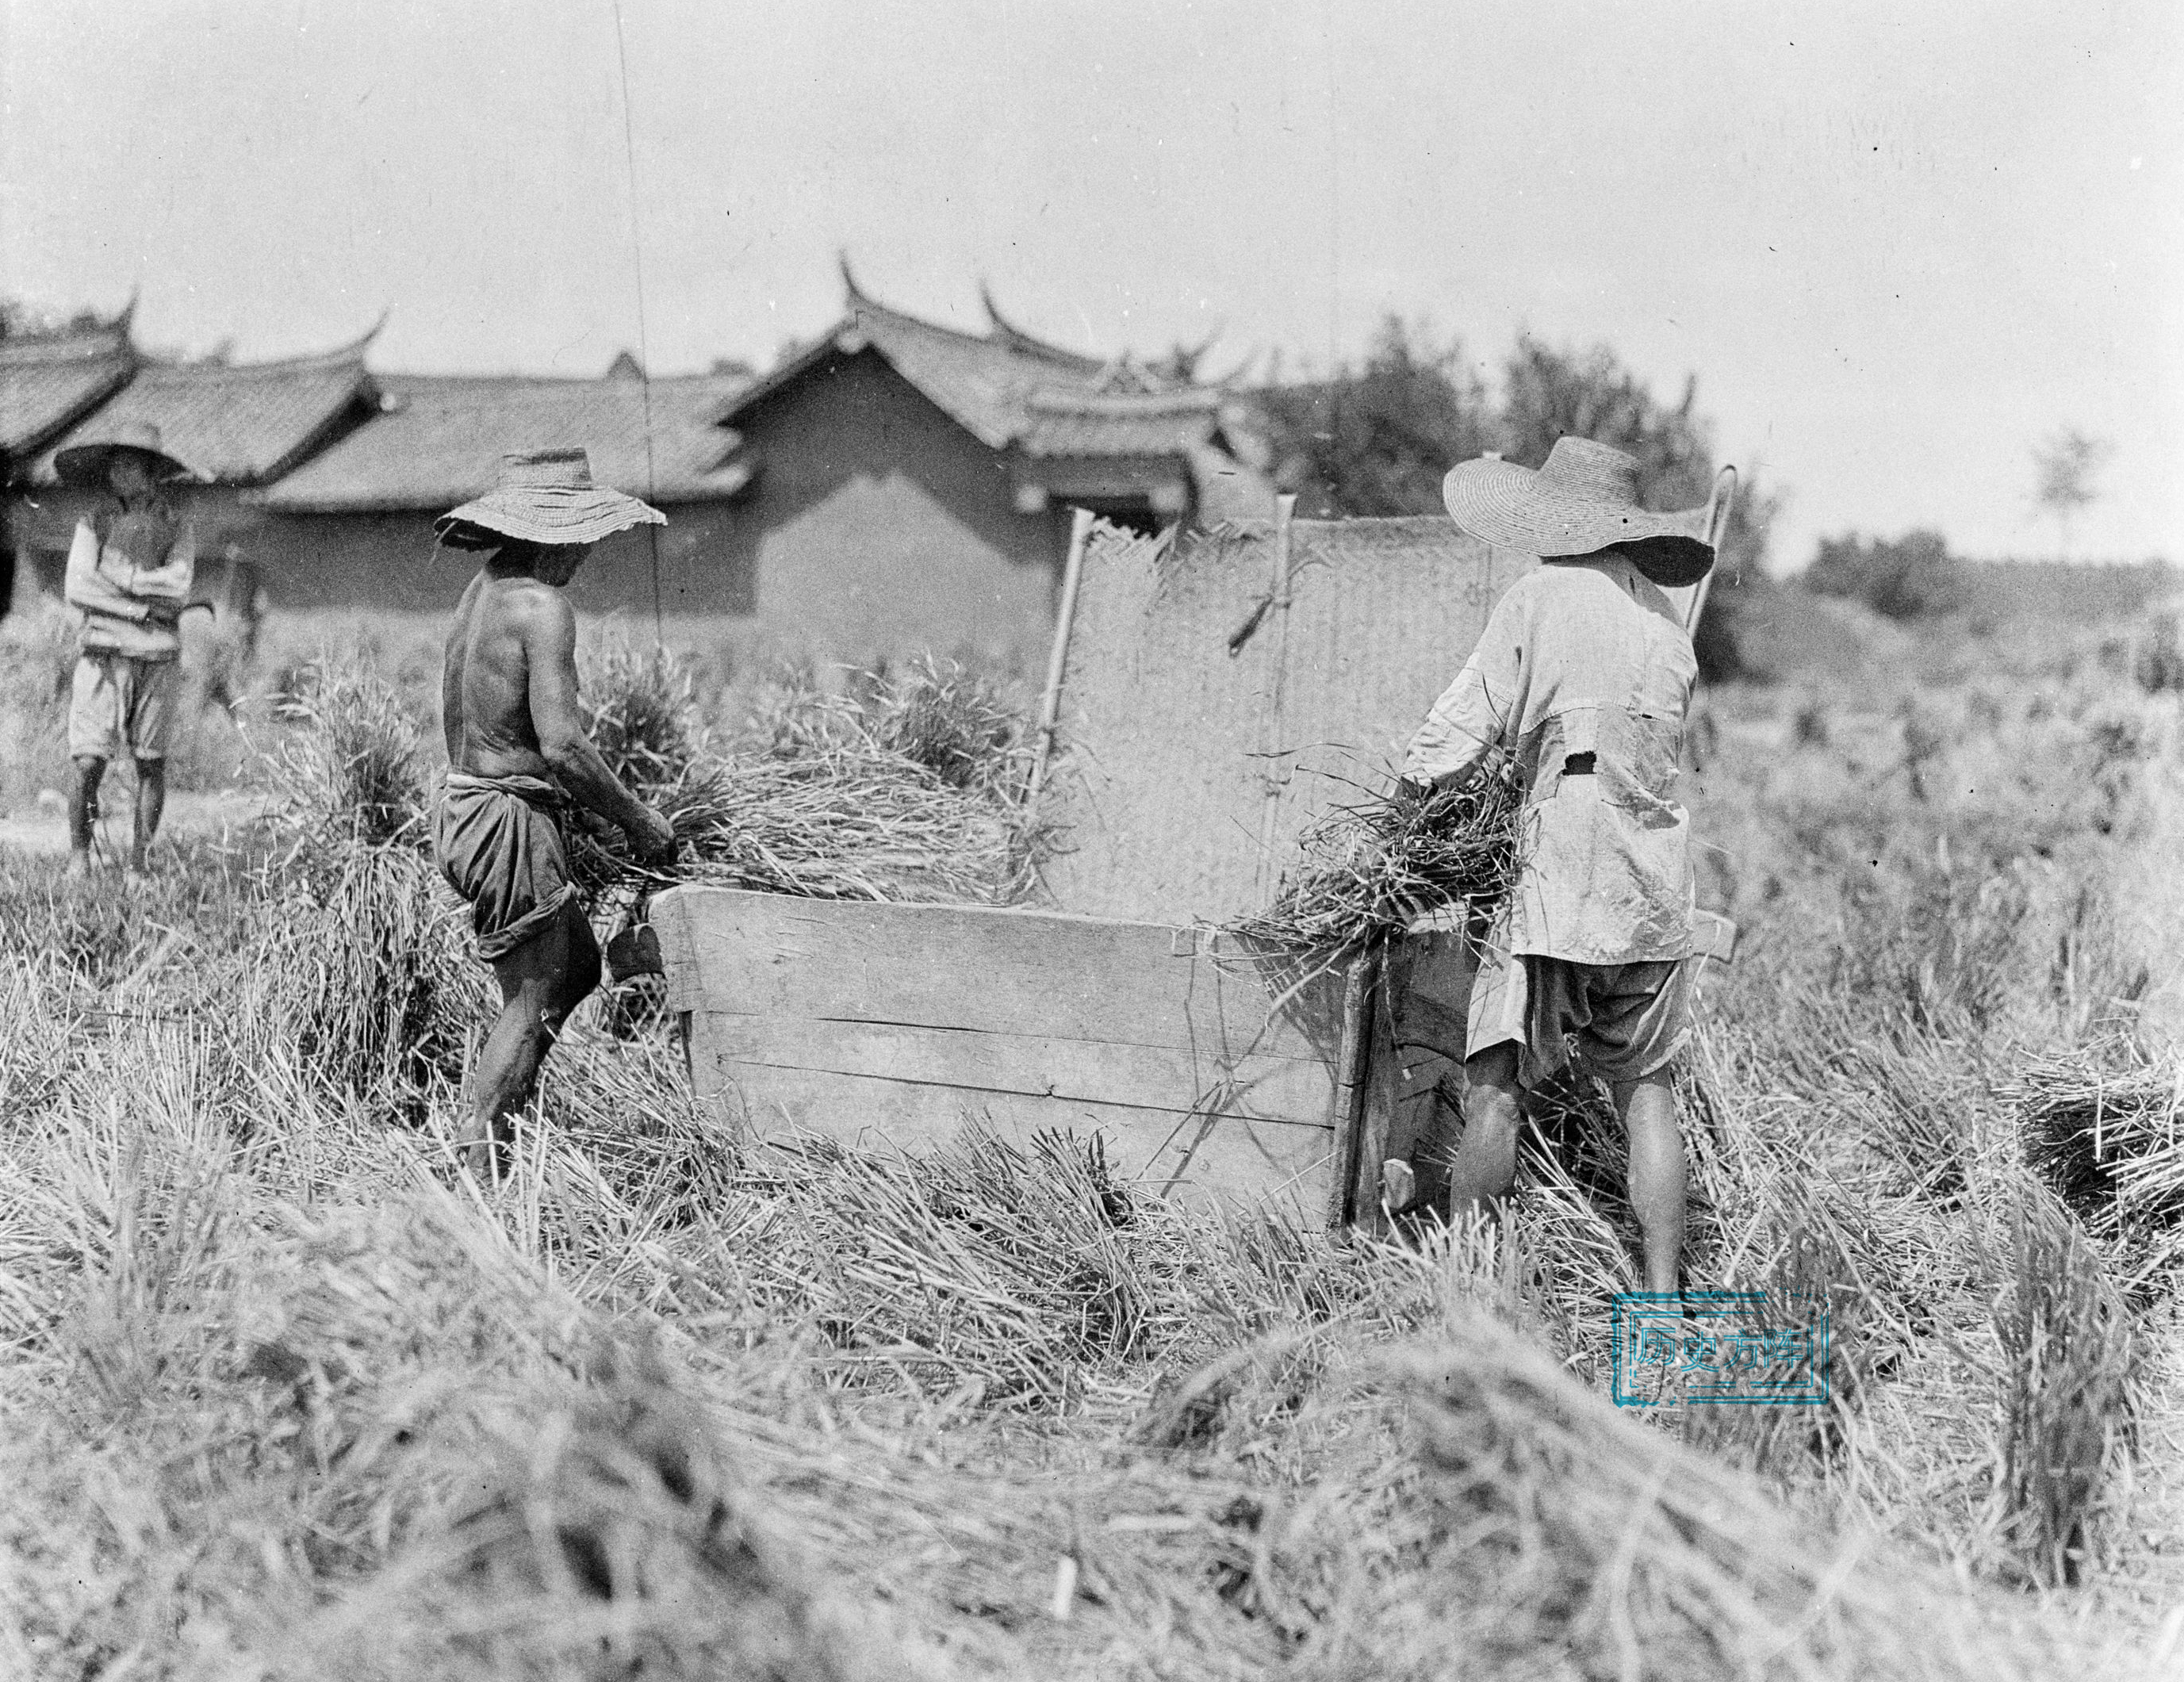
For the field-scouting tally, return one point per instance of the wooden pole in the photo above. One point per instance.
(1270, 738)
(1353, 1071)
(1718, 507)
(1050, 705)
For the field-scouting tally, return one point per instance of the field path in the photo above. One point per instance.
(41, 826)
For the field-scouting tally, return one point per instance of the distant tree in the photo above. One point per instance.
(1913, 577)
(1377, 439)
(1722, 637)
(2063, 465)
(1551, 393)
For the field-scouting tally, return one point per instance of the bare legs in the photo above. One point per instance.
(83, 812)
(540, 982)
(1647, 1108)
(1485, 1164)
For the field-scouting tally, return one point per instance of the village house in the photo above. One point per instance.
(49, 380)
(353, 526)
(893, 485)
(912, 483)
(240, 425)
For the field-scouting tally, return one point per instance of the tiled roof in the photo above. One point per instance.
(440, 438)
(48, 380)
(1008, 389)
(236, 424)
(1095, 425)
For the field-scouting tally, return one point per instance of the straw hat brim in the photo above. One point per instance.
(86, 465)
(1516, 507)
(552, 514)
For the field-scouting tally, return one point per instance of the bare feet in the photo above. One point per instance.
(483, 1153)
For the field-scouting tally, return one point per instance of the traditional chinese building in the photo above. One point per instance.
(242, 427)
(49, 380)
(912, 482)
(893, 484)
(353, 526)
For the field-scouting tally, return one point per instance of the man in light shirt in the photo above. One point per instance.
(129, 572)
(1583, 673)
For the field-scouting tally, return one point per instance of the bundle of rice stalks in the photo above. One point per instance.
(1007, 1278)
(356, 772)
(1368, 870)
(1543, 1523)
(641, 712)
(376, 992)
(2067, 1354)
(2105, 1127)
(957, 724)
(829, 824)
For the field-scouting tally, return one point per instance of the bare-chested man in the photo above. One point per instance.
(517, 757)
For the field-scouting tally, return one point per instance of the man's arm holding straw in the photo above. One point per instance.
(1474, 714)
(549, 630)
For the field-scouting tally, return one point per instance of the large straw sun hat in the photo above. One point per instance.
(1584, 499)
(547, 496)
(85, 464)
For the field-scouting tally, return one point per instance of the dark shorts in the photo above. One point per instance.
(499, 842)
(1623, 1021)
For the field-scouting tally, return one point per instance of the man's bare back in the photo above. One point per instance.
(508, 690)
(485, 691)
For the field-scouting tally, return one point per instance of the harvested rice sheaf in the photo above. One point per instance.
(2103, 1127)
(832, 826)
(1370, 870)
(912, 794)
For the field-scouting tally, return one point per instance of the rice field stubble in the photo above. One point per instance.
(284, 1396)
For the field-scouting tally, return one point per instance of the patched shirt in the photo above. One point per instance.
(1584, 673)
(128, 574)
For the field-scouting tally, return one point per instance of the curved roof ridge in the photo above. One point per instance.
(858, 302)
(1016, 339)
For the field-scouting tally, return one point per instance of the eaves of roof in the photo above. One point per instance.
(236, 424)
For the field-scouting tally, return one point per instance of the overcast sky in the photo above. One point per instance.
(1897, 244)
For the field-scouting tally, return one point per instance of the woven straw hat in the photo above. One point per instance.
(547, 496)
(85, 464)
(1584, 498)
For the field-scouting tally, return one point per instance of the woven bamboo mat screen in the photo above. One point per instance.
(1184, 772)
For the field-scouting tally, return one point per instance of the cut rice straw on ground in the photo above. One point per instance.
(2106, 1127)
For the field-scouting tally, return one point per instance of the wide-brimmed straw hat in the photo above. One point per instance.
(547, 496)
(1584, 499)
(85, 464)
